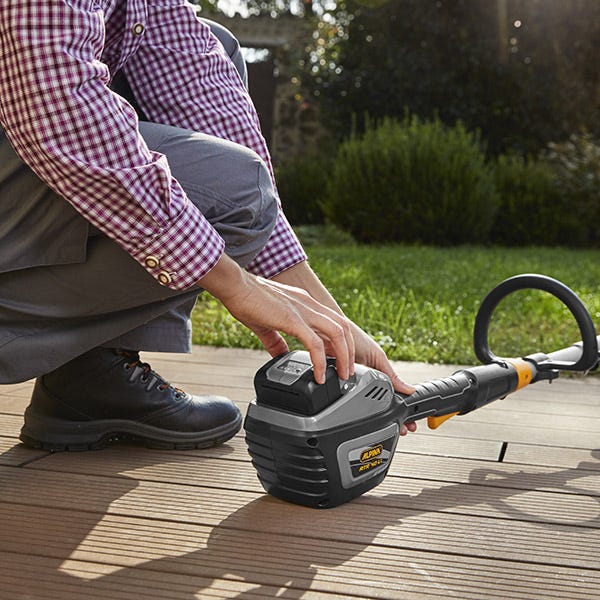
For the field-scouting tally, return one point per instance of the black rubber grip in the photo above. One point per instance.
(463, 392)
(440, 396)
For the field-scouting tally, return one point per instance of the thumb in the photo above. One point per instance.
(400, 385)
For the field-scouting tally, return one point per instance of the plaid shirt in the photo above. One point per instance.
(57, 58)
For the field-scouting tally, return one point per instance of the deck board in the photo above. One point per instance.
(449, 521)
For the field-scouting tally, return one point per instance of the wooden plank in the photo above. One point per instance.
(10, 425)
(15, 454)
(424, 443)
(209, 370)
(240, 359)
(466, 427)
(133, 547)
(441, 445)
(43, 579)
(529, 454)
(476, 434)
(505, 414)
(227, 470)
(527, 407)
(565, 391)
(21, 390)
(466, 487)
(436, 527)
(15, 398)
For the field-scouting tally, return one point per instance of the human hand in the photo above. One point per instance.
(366, 350)
(296, 302)
(269, 307)
(369, 353)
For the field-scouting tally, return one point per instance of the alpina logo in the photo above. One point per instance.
(371, 453)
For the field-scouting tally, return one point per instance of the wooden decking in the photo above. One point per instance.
(502, 503)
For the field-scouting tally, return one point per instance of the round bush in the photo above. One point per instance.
(412, 181)
(532, 211)
(576, 166)
(301, 182)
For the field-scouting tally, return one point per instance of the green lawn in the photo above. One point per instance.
(420, 303)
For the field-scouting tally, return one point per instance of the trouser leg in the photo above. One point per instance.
(173, 328)
(51, 314)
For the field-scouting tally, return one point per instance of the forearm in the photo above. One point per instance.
(225, 279)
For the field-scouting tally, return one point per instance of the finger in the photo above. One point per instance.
(273, 341)
(334, 329)
(381, 362)
(401, 386)
(313, 339)
(341, 347)
(406, 427)
(316, 350)
(326, 326)
(351, 347)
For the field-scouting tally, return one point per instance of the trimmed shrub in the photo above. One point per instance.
(576, 167)
(531, 210)
(412, 181)
(302, 182)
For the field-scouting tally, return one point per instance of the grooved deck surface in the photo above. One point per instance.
(501, 503)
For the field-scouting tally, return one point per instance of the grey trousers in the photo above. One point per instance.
(52, 313)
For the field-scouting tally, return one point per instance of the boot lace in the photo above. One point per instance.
(143, 372)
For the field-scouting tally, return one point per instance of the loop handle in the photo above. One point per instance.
(589, 341)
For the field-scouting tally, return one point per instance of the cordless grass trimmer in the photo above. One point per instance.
(324, 444)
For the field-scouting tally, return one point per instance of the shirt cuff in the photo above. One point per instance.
(183, 251)
(282, 251)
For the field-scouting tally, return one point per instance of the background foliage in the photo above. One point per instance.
(523, 72)
(423, 182)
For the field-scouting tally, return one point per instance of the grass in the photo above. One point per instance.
(420, 303)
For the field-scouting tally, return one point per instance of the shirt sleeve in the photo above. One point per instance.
(215, 102)
(83, 141)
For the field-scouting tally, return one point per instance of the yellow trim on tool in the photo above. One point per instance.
(524, 371)
(435, 422)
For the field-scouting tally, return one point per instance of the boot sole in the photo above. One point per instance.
(58, 435)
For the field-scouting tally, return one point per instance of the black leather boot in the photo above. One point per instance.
(110, 394)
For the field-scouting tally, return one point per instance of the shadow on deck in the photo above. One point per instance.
(502, 503)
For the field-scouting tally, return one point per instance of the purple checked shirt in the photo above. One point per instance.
(57, 58)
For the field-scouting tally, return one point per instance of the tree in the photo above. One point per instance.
(450, 58)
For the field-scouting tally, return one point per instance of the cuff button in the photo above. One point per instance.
(164, 278)
(151, 262)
